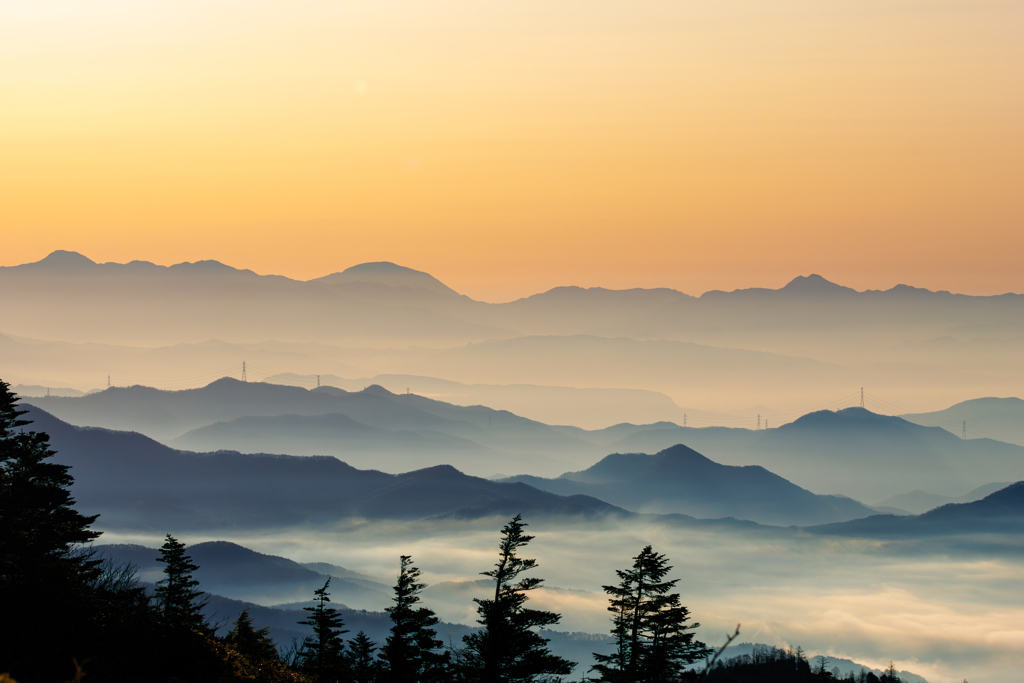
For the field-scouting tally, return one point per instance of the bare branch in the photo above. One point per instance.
(714, 659)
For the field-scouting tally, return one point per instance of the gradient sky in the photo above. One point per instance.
(510, 147)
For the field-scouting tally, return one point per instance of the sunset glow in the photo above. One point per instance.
(510, 148)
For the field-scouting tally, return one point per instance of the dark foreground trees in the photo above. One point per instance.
(246, 639)
(653, 641)
(64, 611)
(507, 648)
(41, 573)
(362, 666)
(178, 596)
(322, 657)
(412, 651)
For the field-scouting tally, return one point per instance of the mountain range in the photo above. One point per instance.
(1001, 512)
(371, 428)
(917, 501)
(852, 452)
(233, 571)
(994, 418)
(135, 482)
(720, 350)
(411, 302)
(681, 480)
(588, 407)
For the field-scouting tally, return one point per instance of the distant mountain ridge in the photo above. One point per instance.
(127, 476)
(360, 426)
(918, 501)
(853, 452)
(67, 279)
(991, 417)
(390, 274)
(384, 318)
(237, 572)
(1001, 512)
(681, 480)
(137, 483)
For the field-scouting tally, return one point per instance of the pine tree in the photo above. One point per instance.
(39, 527)
(251, 643)
(43, 569)
(410, 652)
(653, 641)
(323, 654)
(890, 675)
(363, 668)
(178, 597)
(823, 670)
(507, 649)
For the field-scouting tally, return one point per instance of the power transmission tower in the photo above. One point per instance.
(965, 430)
(318, 381)
(243, 372)
(108, 381)
(684, 419)
(759, 421)
(766, 423)
(862, 397)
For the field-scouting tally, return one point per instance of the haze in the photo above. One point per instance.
(340, 281)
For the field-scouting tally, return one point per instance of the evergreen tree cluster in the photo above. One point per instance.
(777, 665)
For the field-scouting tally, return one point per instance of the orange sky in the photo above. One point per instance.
(510, 147)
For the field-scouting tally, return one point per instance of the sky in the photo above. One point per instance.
(510, 147)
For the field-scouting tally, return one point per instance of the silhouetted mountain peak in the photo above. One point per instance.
(381, 268)
(629, 466)
(207, 266)
(437, 472)
(65, 259)
(377, 390)
(681, 452)
(814, 284)
(863, 432)
(846, 417)
(390, 274)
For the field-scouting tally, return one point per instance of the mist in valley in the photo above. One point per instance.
(936, 608)
(789, 499)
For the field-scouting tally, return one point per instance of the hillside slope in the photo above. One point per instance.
(681, 480)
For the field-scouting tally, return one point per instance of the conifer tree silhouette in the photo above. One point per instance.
(363, 668)
(43, 569)
(323, 654)
(411, 651)
(248, 641)
(178, 596)
(507, 649)
(653, 641)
